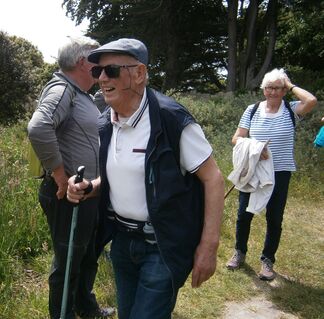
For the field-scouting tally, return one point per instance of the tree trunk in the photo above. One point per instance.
(271, 18)
(232, 45)
(247, 57)
(171, 64)
(172, 67)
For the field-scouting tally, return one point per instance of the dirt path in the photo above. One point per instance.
(258, 307)
(255, 308)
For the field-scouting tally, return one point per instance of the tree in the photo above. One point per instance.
(254, 45)
(185, 38)
(232, 45)
(273, 33)
(299, 45)
(20, 65)
(300, 35)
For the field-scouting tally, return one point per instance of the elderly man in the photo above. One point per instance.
(63, 132)
(162, 193)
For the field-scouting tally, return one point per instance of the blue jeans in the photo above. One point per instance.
(144, 284)
(274, 215)
(84, 262)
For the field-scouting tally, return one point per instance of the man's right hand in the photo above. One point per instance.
(75, 192)
(61, 181)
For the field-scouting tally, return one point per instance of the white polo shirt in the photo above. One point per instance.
(126, 159)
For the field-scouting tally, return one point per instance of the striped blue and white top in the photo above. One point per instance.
(276, 127)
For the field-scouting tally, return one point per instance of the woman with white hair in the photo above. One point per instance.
(271, 120)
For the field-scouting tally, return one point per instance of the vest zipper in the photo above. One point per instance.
(152, 180)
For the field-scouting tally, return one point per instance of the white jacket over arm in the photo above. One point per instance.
(252, 175)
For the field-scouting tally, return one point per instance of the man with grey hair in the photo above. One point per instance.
(63, 132)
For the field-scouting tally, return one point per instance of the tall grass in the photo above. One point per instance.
(23, 232)
(25, 249)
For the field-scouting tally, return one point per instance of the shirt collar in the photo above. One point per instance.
(133, 120)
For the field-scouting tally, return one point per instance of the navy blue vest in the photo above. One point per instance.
(174, 201)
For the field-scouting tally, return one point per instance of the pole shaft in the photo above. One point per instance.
(69, 262)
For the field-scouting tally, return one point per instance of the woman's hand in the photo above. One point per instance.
(288, 84)
(264, 154)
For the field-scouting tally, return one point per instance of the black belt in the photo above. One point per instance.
(131, 224)
(140, 228)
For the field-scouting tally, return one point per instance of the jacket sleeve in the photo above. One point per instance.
(53, 108)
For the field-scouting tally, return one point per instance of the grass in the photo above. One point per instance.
(25, 248)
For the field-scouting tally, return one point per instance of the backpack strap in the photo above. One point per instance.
(287, 105)
(255, 107)
(61, 128)
(291, 113)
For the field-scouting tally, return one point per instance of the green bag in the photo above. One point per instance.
(35, 168)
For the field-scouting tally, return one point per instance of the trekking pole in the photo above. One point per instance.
(74, 219)
(229, 191)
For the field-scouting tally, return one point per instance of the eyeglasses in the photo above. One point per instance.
(111, 70)
(273, 88)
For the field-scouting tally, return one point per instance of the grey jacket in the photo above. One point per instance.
(64, 129)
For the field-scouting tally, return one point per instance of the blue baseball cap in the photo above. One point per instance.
(132, 47)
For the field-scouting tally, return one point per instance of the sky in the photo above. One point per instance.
(41, 22)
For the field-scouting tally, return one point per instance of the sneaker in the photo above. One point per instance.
(267, 272)
(236, 261)
(99, 313)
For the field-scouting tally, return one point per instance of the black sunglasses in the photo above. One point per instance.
(111, 70)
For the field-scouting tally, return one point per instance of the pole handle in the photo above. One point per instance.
(79, 176)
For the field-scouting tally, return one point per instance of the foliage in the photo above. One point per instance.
(25, 249)
(313, 80)
(299, 44)
(299, 35)
(20, 64)
(47, 71)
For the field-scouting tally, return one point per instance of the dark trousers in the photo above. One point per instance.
(143, 281)
(84, 263)
(274, 215)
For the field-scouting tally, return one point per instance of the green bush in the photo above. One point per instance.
(310, 79)
(21, 66)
